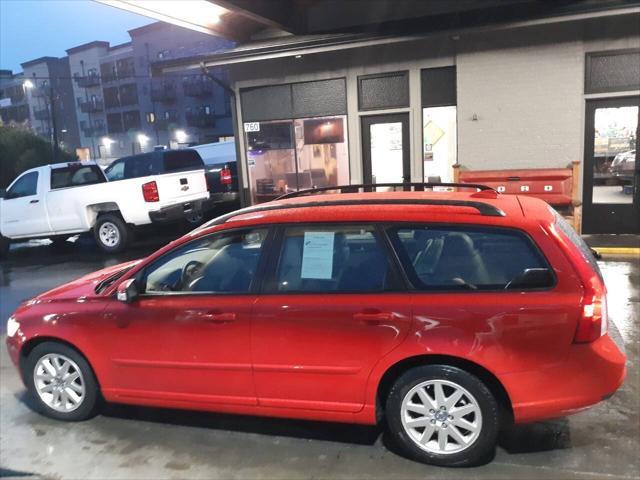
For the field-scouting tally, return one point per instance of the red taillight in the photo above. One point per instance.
(593, 321)
(150, 192)
(225, 176)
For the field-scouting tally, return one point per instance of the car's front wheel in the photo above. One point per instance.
(61, 382)
(443, 415)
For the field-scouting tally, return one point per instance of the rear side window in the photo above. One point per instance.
(451, 258)
(332, 259)
(181, 160)
(25, 186)
(142, 165)
(566, 228)
(75, 176)
(115, 171)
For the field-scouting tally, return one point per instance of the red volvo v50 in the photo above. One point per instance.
(441, 314)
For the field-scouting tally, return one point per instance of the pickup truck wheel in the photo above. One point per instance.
(4, 246)
(111, 233)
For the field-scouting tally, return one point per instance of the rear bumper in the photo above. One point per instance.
(592, 373)
(219, 198)
(176, 212)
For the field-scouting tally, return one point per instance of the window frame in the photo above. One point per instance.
(410, 276)
(9, 196)
(253, 287)
(269, 283)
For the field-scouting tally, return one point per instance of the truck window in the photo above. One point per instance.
(181, 160)
(115, 171)
(25, 186)
(75, 176)
(142, 165)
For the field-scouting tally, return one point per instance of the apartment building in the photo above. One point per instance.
(14, 109)
(107, 105)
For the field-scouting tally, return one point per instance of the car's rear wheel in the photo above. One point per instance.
(443, 415)
(61, 382)
(111, 233)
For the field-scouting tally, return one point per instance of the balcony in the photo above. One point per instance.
(94, 132)
(42, 114)
(91, 106)
(88, 81)
(126, 73)
(165, 93)
(39, 91)
(197, 88)
(201, 119)
(165, 123)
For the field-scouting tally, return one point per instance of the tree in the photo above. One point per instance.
(20, 150)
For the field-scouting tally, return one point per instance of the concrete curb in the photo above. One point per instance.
(618, 250)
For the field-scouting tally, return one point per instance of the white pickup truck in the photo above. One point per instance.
(57, 201)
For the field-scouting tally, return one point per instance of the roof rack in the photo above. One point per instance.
(484, 209)
(370, 187)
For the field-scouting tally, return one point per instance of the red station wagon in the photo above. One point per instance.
(441, 314)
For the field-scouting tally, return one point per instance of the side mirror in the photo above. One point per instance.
(128, 291)
(531, 278)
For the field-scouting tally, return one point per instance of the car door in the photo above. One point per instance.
(23, 211)
(186, 337)
(332, 307)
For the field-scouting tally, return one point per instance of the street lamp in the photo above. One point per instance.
(181, 136)
(142, 139)
(28, 84)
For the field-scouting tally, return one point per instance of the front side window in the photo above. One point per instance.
(332, 259)
(115, 171)
(220, 263)
(25, 186)
(451, 258)
(75, 176)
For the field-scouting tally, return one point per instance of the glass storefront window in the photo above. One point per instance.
(286, 156)
(439, 142)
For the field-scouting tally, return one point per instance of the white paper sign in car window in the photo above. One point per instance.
(317, 255)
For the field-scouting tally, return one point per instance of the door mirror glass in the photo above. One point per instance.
(128, 291)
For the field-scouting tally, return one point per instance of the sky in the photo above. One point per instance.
(36, 28)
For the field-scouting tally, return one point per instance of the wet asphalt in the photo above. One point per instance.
(143, 443)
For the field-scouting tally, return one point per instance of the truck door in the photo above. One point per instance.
(23, 210)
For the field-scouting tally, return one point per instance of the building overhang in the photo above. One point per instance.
(300, 45)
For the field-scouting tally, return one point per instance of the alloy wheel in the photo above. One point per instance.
(59, 382)
(441, 417)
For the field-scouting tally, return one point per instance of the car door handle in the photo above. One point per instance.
(34, 201)
(373, 317)
(220, 317)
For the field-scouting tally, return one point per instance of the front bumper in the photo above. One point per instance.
(176, 212)
(592, 373)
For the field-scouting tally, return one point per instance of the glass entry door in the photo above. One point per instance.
(385, 148)
(611, 173)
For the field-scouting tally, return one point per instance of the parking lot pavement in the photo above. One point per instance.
(132, 442)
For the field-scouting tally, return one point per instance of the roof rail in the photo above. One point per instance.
(413, 186)
(485, 209)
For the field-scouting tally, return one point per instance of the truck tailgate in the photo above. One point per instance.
(181, 187)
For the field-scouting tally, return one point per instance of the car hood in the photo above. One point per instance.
(83, 287)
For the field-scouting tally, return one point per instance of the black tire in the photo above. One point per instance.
(123, 233)
(5, 243)
(90, 402)
(480, 450)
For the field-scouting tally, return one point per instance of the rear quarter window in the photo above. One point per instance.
(469, 258)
